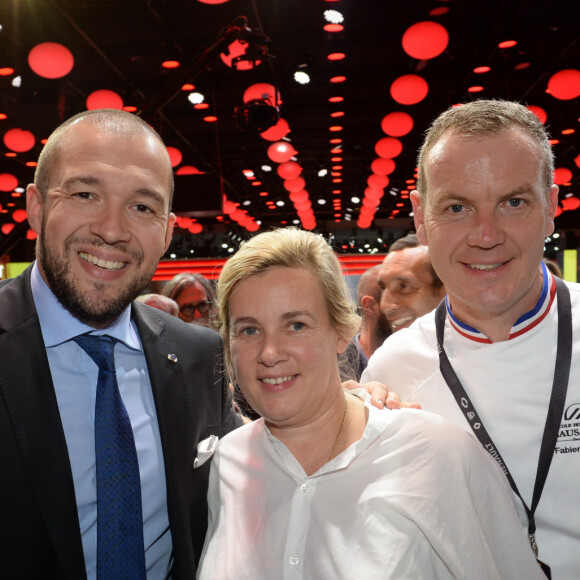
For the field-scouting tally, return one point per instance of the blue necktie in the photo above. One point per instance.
(120, 548)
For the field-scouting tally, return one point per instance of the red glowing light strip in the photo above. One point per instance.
(210, 268)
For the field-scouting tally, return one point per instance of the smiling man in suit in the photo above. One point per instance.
(101, 207)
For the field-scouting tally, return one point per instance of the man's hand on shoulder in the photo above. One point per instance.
(381, 396)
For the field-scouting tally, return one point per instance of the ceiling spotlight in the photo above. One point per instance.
(266, 168)
(321, 201)
(257, 115)
(195, 98)
(322, 172)
(355, 199)
(333, 16)
(301, 77)
(17, 81)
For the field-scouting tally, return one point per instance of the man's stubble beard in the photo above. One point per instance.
(91, 307)
(382, 331)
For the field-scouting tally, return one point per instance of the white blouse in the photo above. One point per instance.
(415, 498)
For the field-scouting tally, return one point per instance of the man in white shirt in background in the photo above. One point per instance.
(408, 284)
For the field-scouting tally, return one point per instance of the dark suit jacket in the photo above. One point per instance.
(39, 527)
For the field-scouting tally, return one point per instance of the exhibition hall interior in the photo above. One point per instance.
(276, 113)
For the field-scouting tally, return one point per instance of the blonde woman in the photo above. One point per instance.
(324, 485)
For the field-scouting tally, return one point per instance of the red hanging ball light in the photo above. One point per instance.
(260, 92)
(280, 151)
(289, 170)
(7, 228)
(51, 60)
(565, 85)
(377, 181)
(562, 175)
(187, 170)
(388, 147)
(8, 182)
(19, 215)
(372, 193)
(175, 156)
(570, 203)
(304, 207)
(383, 166)
(295, 184)
(298, 196)
(229, 207)
(397, 124)
(409, 89)
(276, 132)
(19, 140)
(104, 99)
(539, 112)
(425, 40)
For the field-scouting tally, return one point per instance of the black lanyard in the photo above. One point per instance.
(555, 409)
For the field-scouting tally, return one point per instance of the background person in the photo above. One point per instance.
(553, 267)
(323, 482)
(160, 302)
(100, 205)
(409, 286)
(374, 327)
(195, 296)
(485, 202)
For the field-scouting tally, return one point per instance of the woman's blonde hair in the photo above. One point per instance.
(288, 248)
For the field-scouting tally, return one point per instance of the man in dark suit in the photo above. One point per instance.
(101, 207)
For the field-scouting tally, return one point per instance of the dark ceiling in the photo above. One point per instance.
(120, 45)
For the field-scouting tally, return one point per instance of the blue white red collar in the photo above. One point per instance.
(526, 322)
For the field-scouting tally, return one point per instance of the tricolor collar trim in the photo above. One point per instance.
(526, 322)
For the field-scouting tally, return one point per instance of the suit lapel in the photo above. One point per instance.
(168, 383)
(177, 428)
(28, 392)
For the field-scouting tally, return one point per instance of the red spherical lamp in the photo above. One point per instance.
(175, 156)
(409, 89)
(8, 182)
(425, 40)
(565, 85)
(383, 166)
(289, 170)
(280, 151)
(104, 99)
(276, 132)
(18, 140)
(562, 175)
(388, 147)
(397, 124)
(51, 60)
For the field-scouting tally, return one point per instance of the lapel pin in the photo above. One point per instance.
(172, 357)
